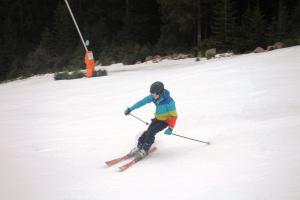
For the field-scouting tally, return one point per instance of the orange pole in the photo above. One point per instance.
(90, 63)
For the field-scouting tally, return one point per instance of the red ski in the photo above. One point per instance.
(115, 161)
(129, 164)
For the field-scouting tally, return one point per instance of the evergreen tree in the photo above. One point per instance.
(141, 22)
(251, 31)
(258, 28)
(223, 24)
(279, 26)
(179, 23)
(272, 31)
(283, 20)
(295, 24)
(47, 41)
(9, 50)
(65, 37)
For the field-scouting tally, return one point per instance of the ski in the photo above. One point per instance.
(134, 161)
(117, 160)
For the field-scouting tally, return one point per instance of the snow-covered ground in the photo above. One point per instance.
(56, 135)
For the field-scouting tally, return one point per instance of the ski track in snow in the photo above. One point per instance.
(56, 135)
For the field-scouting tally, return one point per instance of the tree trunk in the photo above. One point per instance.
(199, 23)
(127, 12)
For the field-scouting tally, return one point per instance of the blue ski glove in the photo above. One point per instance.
(168, 131)
(127, 111)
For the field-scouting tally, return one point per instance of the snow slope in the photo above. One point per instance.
(56, 135)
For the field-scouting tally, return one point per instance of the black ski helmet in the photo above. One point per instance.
(157, 88)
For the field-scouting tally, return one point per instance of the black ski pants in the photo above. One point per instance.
(147, 138)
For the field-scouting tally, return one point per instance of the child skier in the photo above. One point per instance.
(165, 116)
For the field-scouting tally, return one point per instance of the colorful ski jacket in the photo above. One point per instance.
(165, 108)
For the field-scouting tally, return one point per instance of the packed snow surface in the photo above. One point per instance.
(56, 135)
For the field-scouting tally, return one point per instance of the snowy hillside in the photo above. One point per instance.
(56, 135)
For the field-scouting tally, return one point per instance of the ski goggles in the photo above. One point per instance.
(154, 94)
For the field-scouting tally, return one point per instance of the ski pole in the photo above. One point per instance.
(208, 143)
(139, 119)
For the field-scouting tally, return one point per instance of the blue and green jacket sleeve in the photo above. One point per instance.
(147, 99)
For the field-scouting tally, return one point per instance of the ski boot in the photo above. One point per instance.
(133, 152)
(140, 154)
